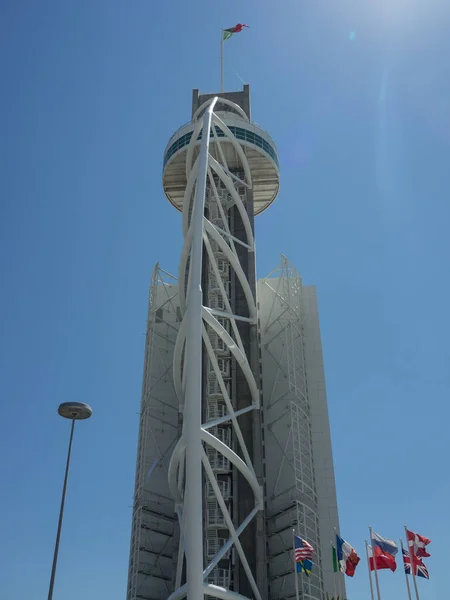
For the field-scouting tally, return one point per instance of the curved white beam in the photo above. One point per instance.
(225, 101)
(192, 417)
(174, 464)
(230, 525)
(213, 263)
(192, 144)
(181, 592)
(226, 547)
(214, 234)
(177, 355)
(189, 458)
(188, 196)
(233, 193)
(237, 462)
(240, 357)
(226, 397)
(218, 121)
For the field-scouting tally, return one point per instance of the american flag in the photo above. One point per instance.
(303, 550)
(419, 567)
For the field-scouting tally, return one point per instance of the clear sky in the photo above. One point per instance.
(356, 94)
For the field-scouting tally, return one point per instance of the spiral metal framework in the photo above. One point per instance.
(206, 445)
(205, 449)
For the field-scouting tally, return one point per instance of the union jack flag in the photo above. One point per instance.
(303, 550)
(419, 567)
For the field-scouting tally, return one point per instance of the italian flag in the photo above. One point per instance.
(227, 33)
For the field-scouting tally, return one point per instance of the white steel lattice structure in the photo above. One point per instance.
(234, 446)
(212, 186)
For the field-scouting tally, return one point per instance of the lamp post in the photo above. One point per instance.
(75, 411)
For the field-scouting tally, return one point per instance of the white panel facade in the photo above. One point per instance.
(154, 528)
(299, 476)
(321, 438)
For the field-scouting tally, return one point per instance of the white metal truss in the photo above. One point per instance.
(153, 523)
(209, 327)
(290, 489)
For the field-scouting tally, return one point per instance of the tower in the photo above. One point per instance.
(226, 380)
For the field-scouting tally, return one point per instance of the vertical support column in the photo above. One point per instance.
(221, 62)
(192, 423)
(227, 445)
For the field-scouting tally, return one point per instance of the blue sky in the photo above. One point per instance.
(91, 92)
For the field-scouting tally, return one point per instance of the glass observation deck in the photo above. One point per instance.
(258, 146)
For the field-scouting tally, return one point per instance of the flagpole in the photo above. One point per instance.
(377, 585)
(338, 571)
(413, 566)
(370, 574)
(334, 572)
(297, 596)
(406, 574)
(221, 62)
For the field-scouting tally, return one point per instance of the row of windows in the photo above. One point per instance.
(239, 132)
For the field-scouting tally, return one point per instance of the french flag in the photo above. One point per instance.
(347, 557)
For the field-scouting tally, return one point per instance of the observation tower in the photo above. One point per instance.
(224, 471)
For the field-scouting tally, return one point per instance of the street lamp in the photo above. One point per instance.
(75, 411)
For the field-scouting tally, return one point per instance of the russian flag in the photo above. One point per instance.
(347, 557)
(383, 560)
(387, 546)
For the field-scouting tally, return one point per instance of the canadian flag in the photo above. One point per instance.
(417, 543)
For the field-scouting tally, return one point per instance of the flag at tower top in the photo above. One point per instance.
(227, 33)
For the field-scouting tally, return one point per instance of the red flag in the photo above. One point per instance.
(227, 33)
(237, 28)
(383, 560)
(417, 543)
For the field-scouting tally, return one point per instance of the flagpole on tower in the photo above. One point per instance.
(370, 574)
(377, 585)
(413, 565)
(221, 62)
(297, 596)
(406, 574)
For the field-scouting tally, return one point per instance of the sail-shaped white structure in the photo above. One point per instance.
(226, 455)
